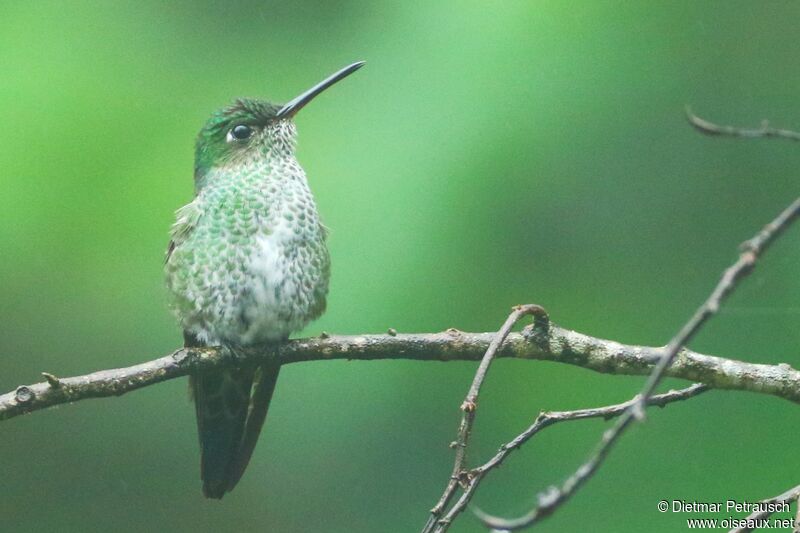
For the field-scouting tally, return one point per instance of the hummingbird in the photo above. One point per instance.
(247, 264)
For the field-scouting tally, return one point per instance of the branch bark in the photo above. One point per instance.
(544, 342)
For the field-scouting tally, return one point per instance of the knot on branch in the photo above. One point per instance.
(465, 477)
(469, 406)
(24, 395)
(538, 333)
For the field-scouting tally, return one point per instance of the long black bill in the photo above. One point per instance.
(297, 103)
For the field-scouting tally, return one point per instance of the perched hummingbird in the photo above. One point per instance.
(247, 264)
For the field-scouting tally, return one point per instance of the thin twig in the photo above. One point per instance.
(469, 407)
(750, 251)
(709, 128)
(796, 528)
(786, 497)
(557, 496)
(544, 420)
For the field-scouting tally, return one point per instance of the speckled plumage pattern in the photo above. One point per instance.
(249, 262)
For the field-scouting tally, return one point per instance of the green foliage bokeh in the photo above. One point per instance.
(489, 154)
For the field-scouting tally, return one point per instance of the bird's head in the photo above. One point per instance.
(250, 128)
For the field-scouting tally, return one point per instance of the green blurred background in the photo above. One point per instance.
(489, 154)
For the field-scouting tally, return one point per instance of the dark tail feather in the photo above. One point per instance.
(221, 399)
(264, 384)
(231, 406)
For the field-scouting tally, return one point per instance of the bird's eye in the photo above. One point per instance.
(240, 132)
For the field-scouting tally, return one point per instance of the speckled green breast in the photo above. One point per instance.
(249, 262)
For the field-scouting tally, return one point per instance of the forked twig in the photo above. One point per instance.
(554, 497)
(469, 407)
(544, 420)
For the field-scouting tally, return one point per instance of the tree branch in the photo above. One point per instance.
(555, 497)
(709, 128)
(472, 479)
(548, 342)
(470, 406)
